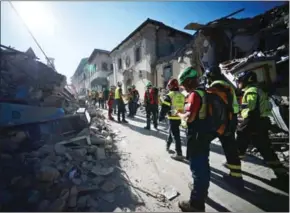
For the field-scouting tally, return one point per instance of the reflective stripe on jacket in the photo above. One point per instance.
(249, 102)
(202, 110)
(177, 103)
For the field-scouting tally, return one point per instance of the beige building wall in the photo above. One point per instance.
(176, 69)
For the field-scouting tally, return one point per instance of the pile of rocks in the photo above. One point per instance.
(61, 176)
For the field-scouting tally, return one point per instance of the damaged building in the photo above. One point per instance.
(135, 58)
(259, 44)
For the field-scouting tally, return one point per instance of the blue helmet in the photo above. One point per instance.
(247, 77)
(213, 72)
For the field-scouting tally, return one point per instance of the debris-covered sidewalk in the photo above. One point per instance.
(76, 174)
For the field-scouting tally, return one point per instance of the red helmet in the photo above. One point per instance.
(172, 84)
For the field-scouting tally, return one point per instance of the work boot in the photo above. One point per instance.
(147, 127)
(167, 148)
(111, 119)
(124, 121)
(281, 182)
(156, 127)
(236, 182)
(186, 206)
(177, 157)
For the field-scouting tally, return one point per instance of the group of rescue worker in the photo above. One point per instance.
(99, 97)
(254, 109)
(193, 110)
(116, 102)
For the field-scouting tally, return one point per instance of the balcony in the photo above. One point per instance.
(99, 78)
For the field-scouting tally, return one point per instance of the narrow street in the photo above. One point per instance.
(150, 169)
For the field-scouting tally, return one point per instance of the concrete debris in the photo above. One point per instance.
(58, 176)
(59, 149)
(102, 171)
(101, 154)
(48, 174)
(80, 152)
(118, 209)
(109, 197)
(43, 206)
(169, 192)
(97, 141)
(83, 201)
(109, 186)
(57, 206)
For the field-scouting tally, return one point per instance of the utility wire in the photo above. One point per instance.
(27, 28)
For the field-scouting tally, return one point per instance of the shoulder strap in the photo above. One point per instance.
(200, 98)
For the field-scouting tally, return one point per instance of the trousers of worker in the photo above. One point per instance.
(174, 132)
(198, 155)
(151, 109)
(256, 132)
(110, 108)
(230, 147)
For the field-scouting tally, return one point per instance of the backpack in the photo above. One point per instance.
(220, 113)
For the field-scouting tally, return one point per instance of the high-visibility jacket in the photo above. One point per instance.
(176, 102)
(202, 110)
(101, 95)
(255, 99)
(235, 100)
(117, 93)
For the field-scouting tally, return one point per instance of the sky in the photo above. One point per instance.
(70, 30)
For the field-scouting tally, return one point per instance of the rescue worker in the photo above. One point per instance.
(198, 141)
(216, 79)
(101, 99)
(173, 101)
(96, 97)
(110, 103)
(151, 105)
(130, 102)
(114, 102)
(120, 103)
(255, 111)
(89, 96)
(136, 97)
(106, 96)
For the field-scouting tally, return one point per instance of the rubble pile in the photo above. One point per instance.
(63, 176)
(26, 80)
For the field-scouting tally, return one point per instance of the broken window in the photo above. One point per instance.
(104, 66)
(120, 63)
(137, 54)
(167, 74)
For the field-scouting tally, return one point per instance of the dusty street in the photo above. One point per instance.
(149, 170)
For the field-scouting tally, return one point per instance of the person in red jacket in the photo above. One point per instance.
(111, 103)
(151, 105)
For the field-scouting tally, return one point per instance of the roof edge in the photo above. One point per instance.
(96, 51)
(141, 26)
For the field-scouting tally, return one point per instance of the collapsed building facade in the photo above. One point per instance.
(51, 151)
(260, 44)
